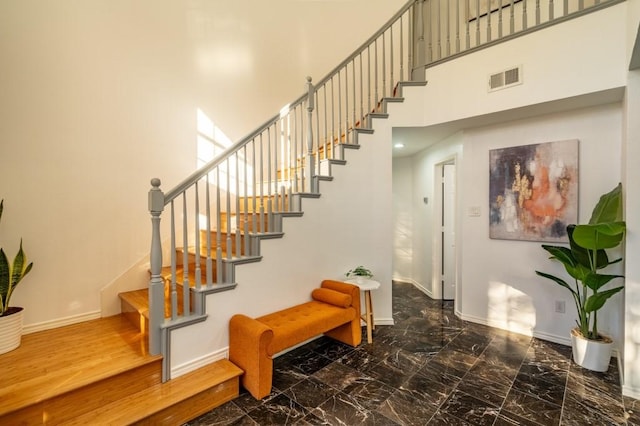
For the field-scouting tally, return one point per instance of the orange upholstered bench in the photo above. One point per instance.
(334, 310)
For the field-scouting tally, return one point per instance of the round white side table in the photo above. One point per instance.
(366, 285)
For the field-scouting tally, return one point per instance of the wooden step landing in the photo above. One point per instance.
(174, 402)
(56, 375)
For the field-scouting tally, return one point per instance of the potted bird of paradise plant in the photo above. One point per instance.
(583, 260)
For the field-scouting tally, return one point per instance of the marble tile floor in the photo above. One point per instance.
(432, 368)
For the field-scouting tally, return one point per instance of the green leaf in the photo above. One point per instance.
(565, 256)
(609, 207)
(562, 254)
(5, 279)
(557, 280)
(597, 301)
(599, 236)
(582, 255)
(596, 281)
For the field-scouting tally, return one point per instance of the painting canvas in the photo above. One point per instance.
(533, 191)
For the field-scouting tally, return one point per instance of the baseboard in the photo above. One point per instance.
(194, 364)
(630, 391)
(563, 340)
(61, 322)
(383, 321)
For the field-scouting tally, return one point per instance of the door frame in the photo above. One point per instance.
(436, 265)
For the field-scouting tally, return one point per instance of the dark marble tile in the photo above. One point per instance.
(597, 405)
(551, 373)
(427, 391)
(550, 352)
(339, 376)
(470, 409)
(440, 373)
(632, 408)
(470, 342)
(402, 408)
(310, 393)
(341, 409)
(446, 419)
(246, 402)
(509, 419)
(586, 382)
(332, 349)
(310, 362)
(226, 414)
(286, 376)
(455, 360)
(538, 388)
(406, 362)
(531, 408)
(484, 389)
(360, 360)
(370, 393)
(389, 374)
(279, 410)
(494, 370)
(431, 368)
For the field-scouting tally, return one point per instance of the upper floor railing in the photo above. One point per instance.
(217, 216)
(449, 28)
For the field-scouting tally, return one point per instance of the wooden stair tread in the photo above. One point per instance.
(82, 354)
(143, 404)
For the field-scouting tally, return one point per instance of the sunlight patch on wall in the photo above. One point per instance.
(211, 143)
(510, 309)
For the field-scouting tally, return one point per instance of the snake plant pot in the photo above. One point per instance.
(11, 330)
(591, 354)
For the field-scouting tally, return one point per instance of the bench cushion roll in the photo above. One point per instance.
(331, 297)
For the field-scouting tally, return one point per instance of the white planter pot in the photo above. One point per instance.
(593, 355)
(11, 330)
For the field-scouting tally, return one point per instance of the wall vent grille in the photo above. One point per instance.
(504, 79)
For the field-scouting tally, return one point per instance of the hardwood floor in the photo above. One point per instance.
(101, 370)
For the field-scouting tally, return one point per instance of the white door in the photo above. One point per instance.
(448, 232)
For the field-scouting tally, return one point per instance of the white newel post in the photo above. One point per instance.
(310, 158)
(156, 284)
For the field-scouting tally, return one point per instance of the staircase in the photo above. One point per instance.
(100, 372)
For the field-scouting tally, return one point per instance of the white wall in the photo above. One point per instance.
(402, 219)
(584, 55)
(631, 171)
(500, 286)
(100, 96)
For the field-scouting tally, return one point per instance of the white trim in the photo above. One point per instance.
(563, 340)
(61, 322)
(194, 364)
(630, 391)
(383, 321)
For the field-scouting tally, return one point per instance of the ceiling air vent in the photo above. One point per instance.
(504, 79)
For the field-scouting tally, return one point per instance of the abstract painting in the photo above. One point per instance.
(533, 191)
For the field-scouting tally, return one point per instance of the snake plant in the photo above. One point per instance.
(586, 255)
(11, 273)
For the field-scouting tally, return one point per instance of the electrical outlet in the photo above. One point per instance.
(560, 307)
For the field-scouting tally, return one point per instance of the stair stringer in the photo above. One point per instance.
(347, 226)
